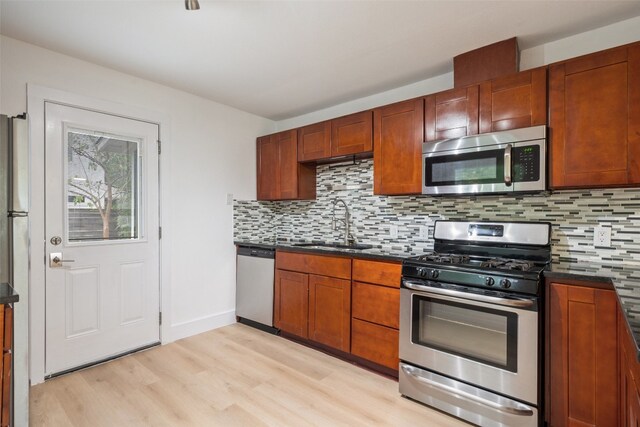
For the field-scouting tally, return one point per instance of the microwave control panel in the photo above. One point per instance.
(526, 163)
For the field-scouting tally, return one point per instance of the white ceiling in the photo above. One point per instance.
(280, 59)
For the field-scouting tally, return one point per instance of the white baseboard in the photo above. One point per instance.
(202, 324)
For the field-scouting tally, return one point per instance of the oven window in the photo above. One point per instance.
(481, 167)
(482, 334)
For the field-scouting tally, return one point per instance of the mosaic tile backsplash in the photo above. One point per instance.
(573, 215)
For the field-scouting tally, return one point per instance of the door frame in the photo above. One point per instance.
(36, 98)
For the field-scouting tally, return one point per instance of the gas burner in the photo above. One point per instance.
(444, 258)
(507, 264)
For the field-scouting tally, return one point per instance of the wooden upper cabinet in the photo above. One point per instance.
(288, 180)
(352, 134)
(594, 116)
(344, 136)
(397, 155)
(515, 101)
(314, 142)
(452, 113)
(268, 174)
(330, 311)
(583, 362)
(279, 175)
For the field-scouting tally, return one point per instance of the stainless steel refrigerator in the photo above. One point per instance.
(14, 248)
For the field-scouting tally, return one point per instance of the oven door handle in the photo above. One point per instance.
(511, 302)
(520, 409)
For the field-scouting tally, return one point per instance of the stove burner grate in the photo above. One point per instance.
(444, 258)
(508, 264)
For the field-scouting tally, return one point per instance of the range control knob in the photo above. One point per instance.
(435, 274)
(422, 272)
(505, 283)
(489, 281)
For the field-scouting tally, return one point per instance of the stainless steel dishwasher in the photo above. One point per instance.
(254, 287)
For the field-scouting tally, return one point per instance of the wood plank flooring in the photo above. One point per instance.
(232, 376)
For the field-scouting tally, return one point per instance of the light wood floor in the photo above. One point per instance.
(232, 376)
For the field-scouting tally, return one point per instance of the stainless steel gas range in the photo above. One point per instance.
(470, 322)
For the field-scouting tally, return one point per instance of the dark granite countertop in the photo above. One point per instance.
(393, 253)
(7, 294)
(625, 281)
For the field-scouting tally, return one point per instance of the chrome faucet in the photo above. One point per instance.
(348, 238)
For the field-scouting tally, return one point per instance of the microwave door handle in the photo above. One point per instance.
(507, 165)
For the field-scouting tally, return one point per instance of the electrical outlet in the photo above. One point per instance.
(393, 231)
(424, 232)
(602, 236)
(229, 199)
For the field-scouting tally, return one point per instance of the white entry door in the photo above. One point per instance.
(102, 275)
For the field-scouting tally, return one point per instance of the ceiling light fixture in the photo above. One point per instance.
(191, 4)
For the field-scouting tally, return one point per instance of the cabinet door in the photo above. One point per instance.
(515, 101)
(451, 114)
(288, 162)
(594, 107)
(633, 407)
(6, 388)
(583, 362)
(330, 311)
(291, 308)
(268, 165)
(314, 142)
(352, 134)
(397, 155)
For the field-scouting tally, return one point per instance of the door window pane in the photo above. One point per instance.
(102, 179)
(477, 333)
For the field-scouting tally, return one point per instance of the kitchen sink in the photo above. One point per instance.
(329, 245)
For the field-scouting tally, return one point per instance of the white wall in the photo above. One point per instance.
(617, 34)
(212, 154)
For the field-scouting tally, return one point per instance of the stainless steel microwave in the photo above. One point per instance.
(500, 162)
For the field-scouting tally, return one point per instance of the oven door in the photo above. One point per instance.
(487, 344)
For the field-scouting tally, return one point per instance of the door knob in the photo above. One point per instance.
(55, 259)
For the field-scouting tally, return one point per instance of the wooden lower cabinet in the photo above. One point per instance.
(311, 305)
(629, 376)
(375, 311)
(6, 339)
(582, 356)
(376, 304)
(330, 311)
(376, 343)
(291, 305)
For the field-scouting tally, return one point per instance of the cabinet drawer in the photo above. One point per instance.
(376, 343)
(314, 264)
(376, 304)
(380, 273)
